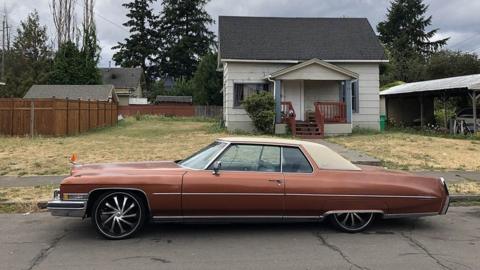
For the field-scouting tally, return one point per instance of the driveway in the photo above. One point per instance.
(39, 241)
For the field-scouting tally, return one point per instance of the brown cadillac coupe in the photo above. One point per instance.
(245, 179)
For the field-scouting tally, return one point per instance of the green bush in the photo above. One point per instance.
(261, 109)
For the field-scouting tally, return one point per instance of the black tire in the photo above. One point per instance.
(118, 214)
(352, 222)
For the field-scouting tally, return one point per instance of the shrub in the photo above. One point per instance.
(261, 109)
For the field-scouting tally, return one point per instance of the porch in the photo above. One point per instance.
(315, 99)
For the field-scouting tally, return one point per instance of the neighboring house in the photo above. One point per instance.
(83, 92)
(128, 82)
(325, 71)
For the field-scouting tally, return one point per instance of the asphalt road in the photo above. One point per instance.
(39, 241)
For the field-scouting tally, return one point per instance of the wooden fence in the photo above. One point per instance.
(54, 117)
(172, 109)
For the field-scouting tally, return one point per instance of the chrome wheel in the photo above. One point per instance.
(118, 215)
(352, 222)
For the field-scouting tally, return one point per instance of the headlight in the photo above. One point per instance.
(75, 196)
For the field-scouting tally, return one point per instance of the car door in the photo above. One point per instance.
(249, 184)
(302, 185)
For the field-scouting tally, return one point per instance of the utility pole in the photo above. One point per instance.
(3, 48)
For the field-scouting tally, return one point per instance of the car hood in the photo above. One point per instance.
(125, 168)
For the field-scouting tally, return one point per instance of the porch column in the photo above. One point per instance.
(348, 100)
(278, 101)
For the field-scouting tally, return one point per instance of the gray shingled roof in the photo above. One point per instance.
(122, 77)
(263, 38)
(84, 92)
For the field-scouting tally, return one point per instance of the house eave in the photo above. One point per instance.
(298, 61)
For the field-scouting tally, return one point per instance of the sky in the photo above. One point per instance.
(457, 19)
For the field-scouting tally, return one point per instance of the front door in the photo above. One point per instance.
(249, 184)
(293, 92)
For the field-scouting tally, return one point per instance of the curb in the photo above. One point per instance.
(464, 198)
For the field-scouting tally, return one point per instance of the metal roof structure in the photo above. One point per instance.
(469, 82)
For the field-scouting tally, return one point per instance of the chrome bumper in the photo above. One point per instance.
(446, 204)
(58, 207)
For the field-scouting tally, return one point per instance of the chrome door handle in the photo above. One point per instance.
(279, 182)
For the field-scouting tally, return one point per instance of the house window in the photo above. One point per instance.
(243, 90)
(355, 95)
(355, 100)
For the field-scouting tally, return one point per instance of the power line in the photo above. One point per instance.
(105, 19)
(464, 40)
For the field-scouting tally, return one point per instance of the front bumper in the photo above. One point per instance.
(58, 207)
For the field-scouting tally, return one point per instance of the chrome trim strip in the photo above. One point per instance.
(234, 194)
(352, 211)
(235, 217)
(218, 154)
(294, 194)
(360, 195)
(410, 215)
(167, 193)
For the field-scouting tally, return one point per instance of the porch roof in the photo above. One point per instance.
(314, 69)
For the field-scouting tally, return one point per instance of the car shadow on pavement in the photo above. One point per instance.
(84, 229)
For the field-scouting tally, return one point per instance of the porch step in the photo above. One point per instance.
(308, 130)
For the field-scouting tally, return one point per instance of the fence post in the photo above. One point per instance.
(79, 114)
(88, 114)
(32, 117)
(98, 114)
(104, 114)
(66, 124)
(13, 112)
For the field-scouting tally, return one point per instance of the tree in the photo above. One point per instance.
(68, 66)
(63, 12)
(405, 36)
(90, 48)
(140, 47)
(450, 64)
(207, 81)
(184, 36)
(29, 61)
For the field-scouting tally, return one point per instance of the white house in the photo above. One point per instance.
(323, 72)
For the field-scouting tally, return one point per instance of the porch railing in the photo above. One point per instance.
(333, 112)
(288, 116)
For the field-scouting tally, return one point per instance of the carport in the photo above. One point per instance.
(410, 102)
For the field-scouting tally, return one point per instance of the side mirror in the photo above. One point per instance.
(216, 167)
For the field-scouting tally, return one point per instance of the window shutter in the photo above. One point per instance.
(356, 93)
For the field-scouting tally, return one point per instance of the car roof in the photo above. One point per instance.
(323, 156)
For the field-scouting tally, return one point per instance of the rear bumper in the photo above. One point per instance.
(446, 203)
(58, 207)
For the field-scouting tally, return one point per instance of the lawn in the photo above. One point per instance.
(150, 138)
(400, 150)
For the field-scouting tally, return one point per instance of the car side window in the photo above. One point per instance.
(294, 161)
(243, 157)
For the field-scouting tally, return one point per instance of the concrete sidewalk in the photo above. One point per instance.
(30, 181)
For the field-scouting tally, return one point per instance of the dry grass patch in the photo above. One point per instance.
(465, 187)
(152, 138)
(416, 152)
(24, 199)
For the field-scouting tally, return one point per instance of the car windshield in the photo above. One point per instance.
(202, 158)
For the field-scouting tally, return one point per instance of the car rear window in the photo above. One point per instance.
(294, 161)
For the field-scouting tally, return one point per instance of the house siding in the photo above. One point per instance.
(237, 118)
(369, 89)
